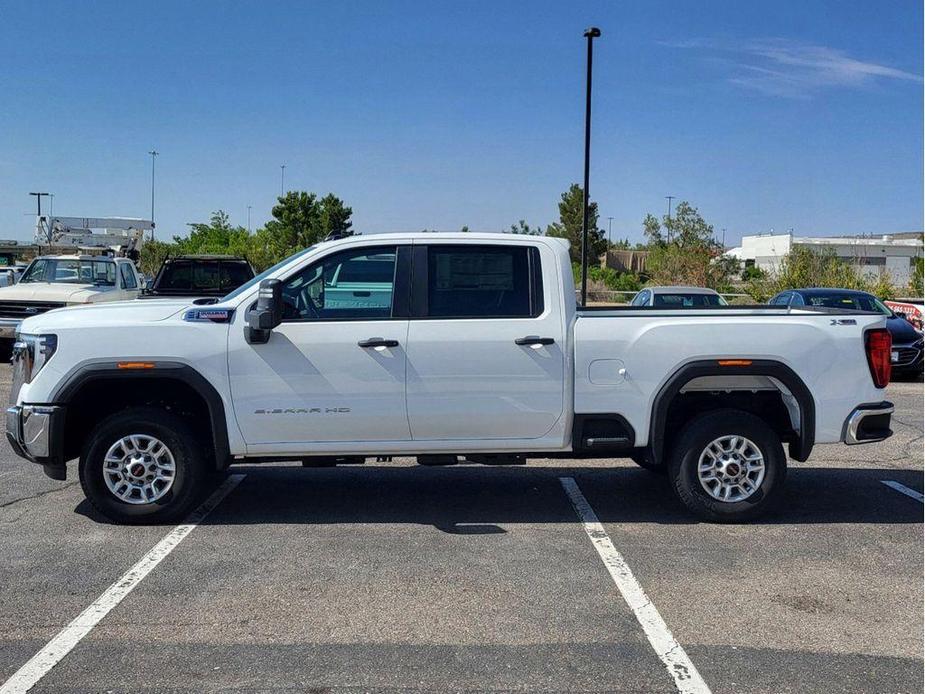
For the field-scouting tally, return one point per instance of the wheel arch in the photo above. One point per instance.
(799, 448)
(180, 377)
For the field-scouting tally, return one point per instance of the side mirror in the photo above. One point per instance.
(267, 314)
(149, 284)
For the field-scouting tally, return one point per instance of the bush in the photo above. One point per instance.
(915, 281)
(804, 267)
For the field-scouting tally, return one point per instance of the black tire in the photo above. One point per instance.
(644, 461)
(188, 482)
(684, 458)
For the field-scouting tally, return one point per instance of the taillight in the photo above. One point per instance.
(879, 344)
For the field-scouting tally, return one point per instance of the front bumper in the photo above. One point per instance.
(36, 433)
(9, 327)
(868, 423)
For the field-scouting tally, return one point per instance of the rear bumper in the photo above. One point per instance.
(9, 327)
(868, 423)
(36, 433)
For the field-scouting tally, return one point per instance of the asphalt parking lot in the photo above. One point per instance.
(400, 577)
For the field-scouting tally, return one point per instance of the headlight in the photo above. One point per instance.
(31, 353)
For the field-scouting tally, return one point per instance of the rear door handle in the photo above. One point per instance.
(534, 340)
(377, 342)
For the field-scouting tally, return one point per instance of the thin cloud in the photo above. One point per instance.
(782, 67)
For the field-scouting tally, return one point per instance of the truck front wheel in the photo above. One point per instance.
(142, 465)
(727, 466)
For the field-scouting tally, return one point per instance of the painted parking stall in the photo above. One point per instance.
(391, 575)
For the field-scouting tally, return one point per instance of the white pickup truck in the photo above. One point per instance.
(55, 281)
(443, 347)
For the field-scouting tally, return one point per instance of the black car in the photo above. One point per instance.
(907, 341)
(199, 277)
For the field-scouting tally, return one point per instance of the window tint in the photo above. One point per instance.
(686, 300)
(234, 275)
(854, 302)
(796, 299)
(780, 299)
(177, 275)
(356, 284)
(482, 282)
(128, 277)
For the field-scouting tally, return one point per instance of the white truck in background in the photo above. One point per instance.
(76, 265)
(444, 347)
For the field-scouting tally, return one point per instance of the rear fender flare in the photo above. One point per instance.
(799, 449)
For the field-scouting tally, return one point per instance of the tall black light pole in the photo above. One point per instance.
(153, 154)
(591, 33)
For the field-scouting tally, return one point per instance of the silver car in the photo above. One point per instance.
(678, 297)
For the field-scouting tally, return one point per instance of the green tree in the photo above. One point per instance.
(152, 255)
(525, 229)
(683, 250)
(569, 226)
(219, 236)
(300, 219)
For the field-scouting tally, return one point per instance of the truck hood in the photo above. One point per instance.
(53, 291)
(110, 313)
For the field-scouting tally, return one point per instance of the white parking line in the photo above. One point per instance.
(669, 651)
(42, 662)
(903, 489)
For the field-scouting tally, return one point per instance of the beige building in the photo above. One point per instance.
(872, 255)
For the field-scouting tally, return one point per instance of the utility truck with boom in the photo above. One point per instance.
(443, 347)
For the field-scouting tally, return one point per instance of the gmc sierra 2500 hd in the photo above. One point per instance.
(442, 345)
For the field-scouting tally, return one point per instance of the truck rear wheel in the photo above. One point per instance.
(727, 466)
(142, 465)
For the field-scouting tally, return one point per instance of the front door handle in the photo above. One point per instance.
(377, 342)
(534, 340)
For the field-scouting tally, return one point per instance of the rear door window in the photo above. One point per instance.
(128, 276)
(483, 282)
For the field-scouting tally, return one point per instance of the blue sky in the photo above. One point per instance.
(442, 114)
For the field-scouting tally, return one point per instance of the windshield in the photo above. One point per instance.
(854, 302)
(71, 271)
(263, 275)
(688, 300)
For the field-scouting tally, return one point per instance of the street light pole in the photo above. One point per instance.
(669, 198)
(591, 33)
(609, 229)
(282, 178)
(248, 219)
(38, 199)
(153, 154)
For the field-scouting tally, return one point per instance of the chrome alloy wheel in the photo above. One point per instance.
(731, 468)
(139, 469)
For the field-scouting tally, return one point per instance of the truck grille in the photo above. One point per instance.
(27, 309)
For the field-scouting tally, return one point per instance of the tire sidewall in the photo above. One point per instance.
(696, 437)
(164, 426)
